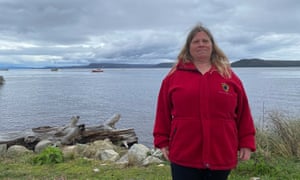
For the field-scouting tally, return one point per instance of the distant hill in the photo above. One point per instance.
(120, 65)
(239, 63)
(265, 63)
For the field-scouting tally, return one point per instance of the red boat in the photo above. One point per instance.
(97, 70)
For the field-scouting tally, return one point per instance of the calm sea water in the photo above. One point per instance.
(33, 98)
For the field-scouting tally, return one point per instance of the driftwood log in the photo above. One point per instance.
(74, 133)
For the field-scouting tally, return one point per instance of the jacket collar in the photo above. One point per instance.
(189, 66)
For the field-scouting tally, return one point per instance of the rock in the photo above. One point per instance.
(17, 150)
(137, 153)
(73, 151)
(109, 155)
(123, 161)
(94, 149)
(42, 145)
(103, 144)
(151, 160)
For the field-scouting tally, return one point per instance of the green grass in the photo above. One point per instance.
(79, 168)
(275, 168)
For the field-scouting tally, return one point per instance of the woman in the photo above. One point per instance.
(203, 118)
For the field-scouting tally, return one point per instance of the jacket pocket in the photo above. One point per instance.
(224, 143)
(185, 140)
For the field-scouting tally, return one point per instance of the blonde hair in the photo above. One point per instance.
(218, 57)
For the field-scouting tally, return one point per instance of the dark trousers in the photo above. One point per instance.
(187, 173)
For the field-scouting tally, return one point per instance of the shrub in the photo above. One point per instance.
(50, 155)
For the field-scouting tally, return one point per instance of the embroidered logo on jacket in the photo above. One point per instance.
(225, 87)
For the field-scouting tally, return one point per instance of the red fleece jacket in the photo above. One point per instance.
(203, 119)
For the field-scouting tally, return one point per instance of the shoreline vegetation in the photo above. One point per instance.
(239, 63)
(277, 157)
(265, 63)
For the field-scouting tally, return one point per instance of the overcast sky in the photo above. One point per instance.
(68, 32)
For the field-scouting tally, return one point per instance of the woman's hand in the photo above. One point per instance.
(245, 154)
(165, 151)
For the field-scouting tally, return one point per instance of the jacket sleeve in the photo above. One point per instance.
(245, 123)
(162, 125)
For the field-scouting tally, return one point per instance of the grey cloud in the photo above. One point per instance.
(140, 45)
(79, 31)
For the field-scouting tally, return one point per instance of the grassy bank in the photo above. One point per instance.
(275, 168)
(78, 169)
(277, 158)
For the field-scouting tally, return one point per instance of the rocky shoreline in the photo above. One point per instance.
(102, 142)
(103, 150)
